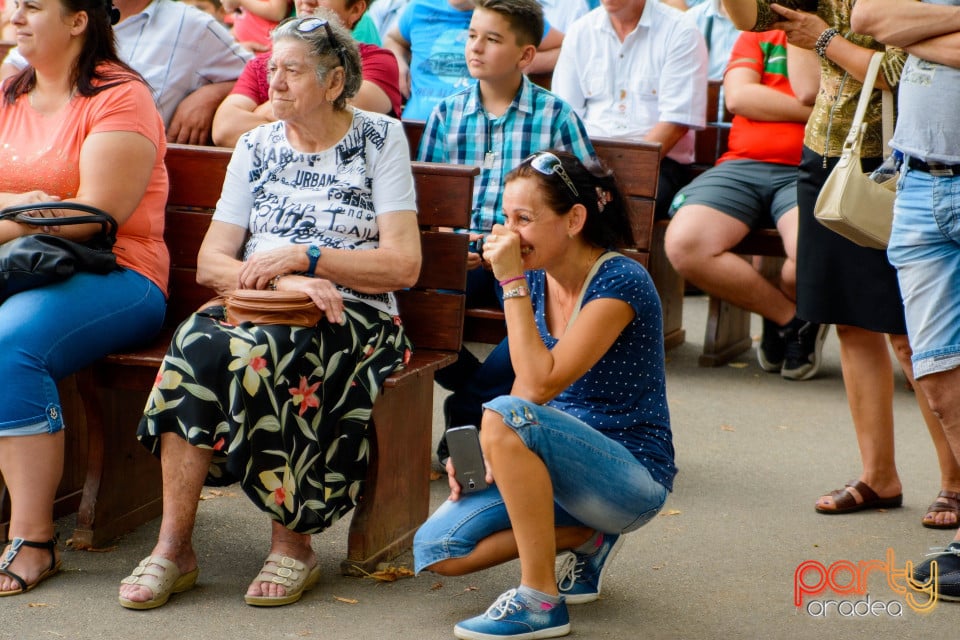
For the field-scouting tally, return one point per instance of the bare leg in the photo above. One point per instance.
(949, 468)
(698, 242)
(528, 495)
(502, 547)
(184, 468)
(287, 543)
(31, 467)
(787, 226)
(868, 379)
(940, 389)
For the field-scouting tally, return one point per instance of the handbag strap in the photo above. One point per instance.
(866, 92)
(18, 212)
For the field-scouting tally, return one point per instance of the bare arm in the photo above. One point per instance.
(803, 69)
(394, 264)
(115, 169)
(541, 373)
(928, 31)
(547, 53)
(803, 29)
(667, 134)
(401, 49)
(192, 121)
(370, 97)
(236, 115)
(742, 13)
(746, 96)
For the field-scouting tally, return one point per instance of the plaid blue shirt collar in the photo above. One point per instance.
(522, 102)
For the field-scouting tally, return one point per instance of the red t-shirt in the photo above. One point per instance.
(379, 67)
(778, 142)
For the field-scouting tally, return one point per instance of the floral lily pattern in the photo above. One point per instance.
(285, 410)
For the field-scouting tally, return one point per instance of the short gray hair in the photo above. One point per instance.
(341, 51)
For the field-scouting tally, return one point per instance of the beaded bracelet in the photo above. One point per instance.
(272, 285)
(820, 46)
(504, 283)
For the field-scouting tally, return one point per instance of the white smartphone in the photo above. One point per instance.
(464, 445)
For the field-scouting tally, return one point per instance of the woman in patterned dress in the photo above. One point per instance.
(322, 202)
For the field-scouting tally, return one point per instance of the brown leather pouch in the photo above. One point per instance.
(272, 307)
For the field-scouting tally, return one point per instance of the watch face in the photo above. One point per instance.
(313, 251)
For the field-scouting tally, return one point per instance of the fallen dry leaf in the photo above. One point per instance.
(737, 365)
(390, 574)
(435, 475)
(346, 600)
(33, 605)
(726, 427)
(436, 586)
(468, 589)
(671, 512)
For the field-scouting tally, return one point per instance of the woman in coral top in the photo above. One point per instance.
(75, 125)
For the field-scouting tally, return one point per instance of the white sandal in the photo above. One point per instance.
(162, 577)
(291, 574)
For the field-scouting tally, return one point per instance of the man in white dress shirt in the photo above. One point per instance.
(636, 69)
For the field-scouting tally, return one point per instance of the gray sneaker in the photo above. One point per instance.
(803, 351)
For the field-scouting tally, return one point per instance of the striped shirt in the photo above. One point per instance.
(460, 131)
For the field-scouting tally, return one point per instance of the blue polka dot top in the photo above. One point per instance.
(624, 395)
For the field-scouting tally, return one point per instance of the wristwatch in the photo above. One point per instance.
(313, 253)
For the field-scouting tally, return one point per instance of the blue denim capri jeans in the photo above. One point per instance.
(597, 483)
(925, 249)
(51, 332)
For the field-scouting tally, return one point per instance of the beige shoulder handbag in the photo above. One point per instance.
(850, 203)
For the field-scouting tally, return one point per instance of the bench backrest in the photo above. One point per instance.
(637, 167)
(711, 142)
(432, 310)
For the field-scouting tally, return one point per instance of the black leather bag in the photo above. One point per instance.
(40, 259)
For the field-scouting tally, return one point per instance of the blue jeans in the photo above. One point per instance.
(48, 333)
(925, 249)
(597, 483)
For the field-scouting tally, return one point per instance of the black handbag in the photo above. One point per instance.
(40, 259)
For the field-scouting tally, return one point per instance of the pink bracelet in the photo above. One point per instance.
(504, 283)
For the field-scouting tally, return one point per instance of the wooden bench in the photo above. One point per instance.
(122, 487)
(637, 167)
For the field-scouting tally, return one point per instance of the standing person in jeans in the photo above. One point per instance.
(494, 124)
(581, 450)
(753, 185)
(839, 282)
(925, 242)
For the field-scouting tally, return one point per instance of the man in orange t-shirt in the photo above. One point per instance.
(753, 185)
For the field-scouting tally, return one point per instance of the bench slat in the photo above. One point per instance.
(433, 320)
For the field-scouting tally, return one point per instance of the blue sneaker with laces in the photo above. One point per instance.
(580, 574)
(514, 616)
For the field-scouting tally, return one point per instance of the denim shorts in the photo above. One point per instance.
(925, 249)
(597, 483)
(48, 333)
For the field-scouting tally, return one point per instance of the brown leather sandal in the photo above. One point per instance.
(845, 502)
(946, 502)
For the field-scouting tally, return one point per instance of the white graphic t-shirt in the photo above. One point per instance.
(330, 199)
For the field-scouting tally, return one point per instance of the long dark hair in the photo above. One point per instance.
(99, 47)
(608, 223)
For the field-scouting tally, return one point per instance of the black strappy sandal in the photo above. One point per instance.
(15, 545)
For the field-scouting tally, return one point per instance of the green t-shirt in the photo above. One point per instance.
(366, 31)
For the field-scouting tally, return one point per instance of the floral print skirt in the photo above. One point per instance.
(284, 409)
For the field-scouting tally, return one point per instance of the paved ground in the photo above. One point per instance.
(754, 452)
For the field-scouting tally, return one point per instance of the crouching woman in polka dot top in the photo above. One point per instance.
(581, 452)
